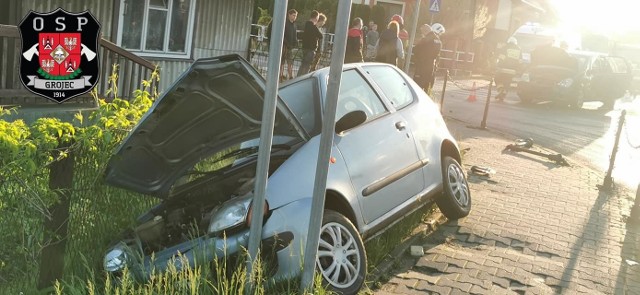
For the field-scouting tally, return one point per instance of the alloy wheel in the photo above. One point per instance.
(338, 255)
(457, 185)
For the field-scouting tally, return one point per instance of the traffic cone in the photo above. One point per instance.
(472, 95)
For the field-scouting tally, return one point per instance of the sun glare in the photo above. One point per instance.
(606, 17)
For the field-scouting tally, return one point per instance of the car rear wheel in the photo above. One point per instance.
(342, 260)
(455, 201)
(578, 100)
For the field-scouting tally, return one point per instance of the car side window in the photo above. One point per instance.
(394, 86)
(299, 97)
(357, 94)
(601, 66)
(618, 65)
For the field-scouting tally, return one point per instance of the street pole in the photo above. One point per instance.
(266, 139)
(608, 180)
(326, 142)
(483, 124)
(412, 38)
(444, 88)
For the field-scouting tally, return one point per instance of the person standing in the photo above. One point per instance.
(508, 65)
(310, 39)
(289, 43)
(426, 51)
(372, 40)
(389, 47)
(354, 42)
(322, 19)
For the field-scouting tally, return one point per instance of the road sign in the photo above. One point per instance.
(434, 6)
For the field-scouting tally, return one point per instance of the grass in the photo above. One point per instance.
(381, 246)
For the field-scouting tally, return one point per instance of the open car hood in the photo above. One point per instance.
(216, 104)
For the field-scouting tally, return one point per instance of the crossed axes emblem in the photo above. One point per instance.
(28, 55)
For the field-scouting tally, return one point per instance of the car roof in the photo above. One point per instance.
(323, 72)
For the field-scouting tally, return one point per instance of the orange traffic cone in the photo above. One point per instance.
(472, 95)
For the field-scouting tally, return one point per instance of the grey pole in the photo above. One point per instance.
(412, 38)
(266, 137)
(326, 141)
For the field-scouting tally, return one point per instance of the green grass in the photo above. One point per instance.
(381, 246)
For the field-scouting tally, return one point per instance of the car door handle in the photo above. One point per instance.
(401, 125)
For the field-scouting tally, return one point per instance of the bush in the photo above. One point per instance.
(97, 212)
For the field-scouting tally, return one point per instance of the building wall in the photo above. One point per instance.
(102, 10)
(221, 27)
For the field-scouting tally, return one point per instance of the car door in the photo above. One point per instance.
(380, 154)
(621, 75)
(601, 79)
(398, 91)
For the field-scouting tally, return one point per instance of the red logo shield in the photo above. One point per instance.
(59, 53)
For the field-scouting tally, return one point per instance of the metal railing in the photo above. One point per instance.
(131, 70)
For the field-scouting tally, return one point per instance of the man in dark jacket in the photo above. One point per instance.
(289, 43)
(310, 39)
(354, 42)
(426, 51)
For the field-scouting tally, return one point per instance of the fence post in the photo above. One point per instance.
(56, 225)
(634, 215)
(608, 180)
(444, 88)
(483, 124)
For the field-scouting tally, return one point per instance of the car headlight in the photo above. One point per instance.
(524, 77)
(233, 213)
(566, 83)
(115, 260)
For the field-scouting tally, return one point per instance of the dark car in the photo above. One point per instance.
(580, 77)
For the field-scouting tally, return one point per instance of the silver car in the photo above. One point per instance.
(196, 149)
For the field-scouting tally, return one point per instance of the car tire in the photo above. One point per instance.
(578, 100)
(341, 260)
(455, 201)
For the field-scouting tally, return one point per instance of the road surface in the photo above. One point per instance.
(586, 135)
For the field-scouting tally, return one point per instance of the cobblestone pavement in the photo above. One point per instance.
(535, 228)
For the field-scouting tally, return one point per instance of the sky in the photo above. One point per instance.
(615, 17)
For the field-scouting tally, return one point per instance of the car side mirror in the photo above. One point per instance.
(350, 120)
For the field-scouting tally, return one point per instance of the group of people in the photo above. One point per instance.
(386, 47)
(389, 47)
(310, 38)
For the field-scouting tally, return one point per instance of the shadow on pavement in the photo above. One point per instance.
(629, 272)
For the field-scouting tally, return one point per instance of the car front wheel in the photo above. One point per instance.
(455, 201)
(342, 260)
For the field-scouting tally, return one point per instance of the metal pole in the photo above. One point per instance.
(412, 38)
(483, 124)
(326, 142)
(608, 180)
(634, 215)
(444, 88)
(266, 137)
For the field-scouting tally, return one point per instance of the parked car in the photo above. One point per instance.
(587, 76)
(196, 150)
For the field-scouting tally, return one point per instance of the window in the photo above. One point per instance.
(393, 86)
(157, 27)
(300, 99)
(618, 65)
(356, 94)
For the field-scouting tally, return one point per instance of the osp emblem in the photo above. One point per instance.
(59, 53)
